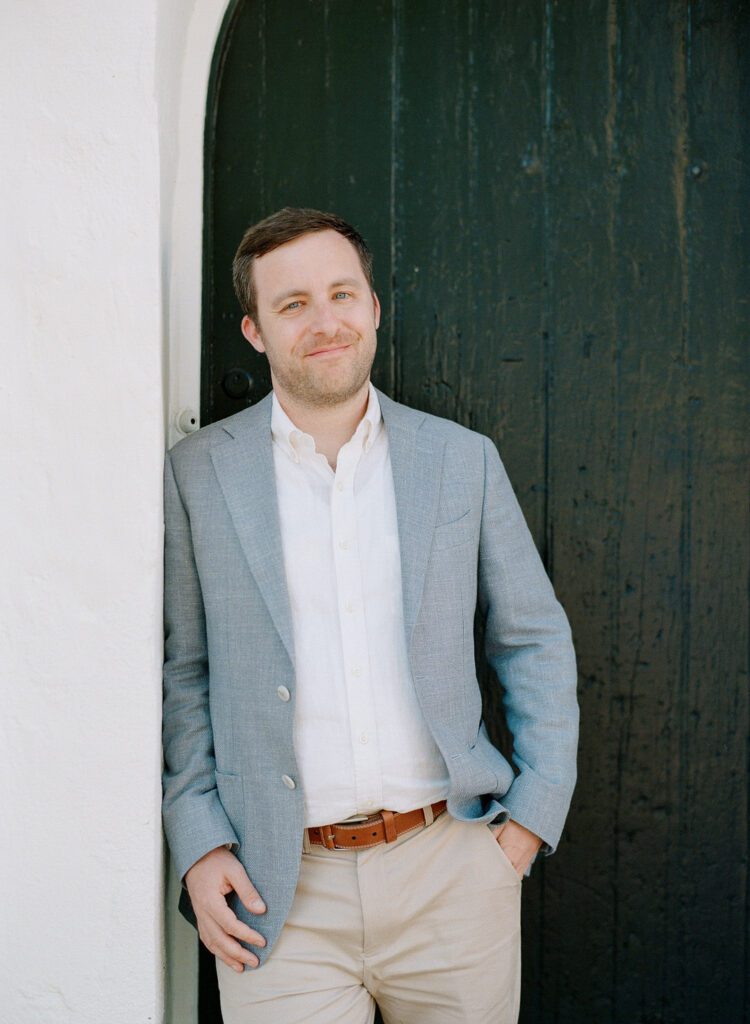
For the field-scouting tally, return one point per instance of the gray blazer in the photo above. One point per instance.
(229, 645)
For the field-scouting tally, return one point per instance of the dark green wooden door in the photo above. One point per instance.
(556, 194)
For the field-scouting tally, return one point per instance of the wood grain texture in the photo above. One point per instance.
(557, 197)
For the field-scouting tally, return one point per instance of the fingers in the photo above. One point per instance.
(245, 889)
(229, 950)
(230, 924)
(518, 844)
(520, 861)
(209, 882)
(220, 929)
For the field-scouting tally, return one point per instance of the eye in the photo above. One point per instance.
(341, 295)
(293, 304)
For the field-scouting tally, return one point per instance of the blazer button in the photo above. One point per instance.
(283, 693)
(288, 782)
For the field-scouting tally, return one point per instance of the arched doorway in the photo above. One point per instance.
(552, 197)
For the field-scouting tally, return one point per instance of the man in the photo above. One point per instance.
(334, 807)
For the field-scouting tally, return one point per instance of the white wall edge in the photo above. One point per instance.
(184, 245)
(186, 226)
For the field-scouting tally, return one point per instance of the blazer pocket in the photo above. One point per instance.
(453, 533)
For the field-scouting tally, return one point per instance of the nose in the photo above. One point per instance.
(324, 321)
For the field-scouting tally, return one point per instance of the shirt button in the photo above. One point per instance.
(344, 545)
(283, 693)
(349, 606)
(356, 671)
(363, 737)
(288, 782)
(339, 486)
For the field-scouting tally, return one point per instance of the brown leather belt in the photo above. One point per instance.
(383, 827)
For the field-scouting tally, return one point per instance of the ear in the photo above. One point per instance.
(251, 332)
(376, 308)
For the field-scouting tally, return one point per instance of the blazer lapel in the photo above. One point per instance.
(416, 462)
(243, 462)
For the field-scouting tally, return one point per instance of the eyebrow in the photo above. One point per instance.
(292, 292)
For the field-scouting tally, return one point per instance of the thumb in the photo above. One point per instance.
(245, 888)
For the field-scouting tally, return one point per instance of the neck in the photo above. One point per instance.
(330, 426)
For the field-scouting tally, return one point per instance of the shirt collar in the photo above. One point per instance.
(293, 441)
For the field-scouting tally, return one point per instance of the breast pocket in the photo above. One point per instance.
(453, 533)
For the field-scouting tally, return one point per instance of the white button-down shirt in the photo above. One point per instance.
(361, 740)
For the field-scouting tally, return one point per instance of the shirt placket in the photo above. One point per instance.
(350, 593)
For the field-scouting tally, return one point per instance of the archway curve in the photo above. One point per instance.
(209, 21)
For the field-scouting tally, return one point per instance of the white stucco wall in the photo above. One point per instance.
(91, 95)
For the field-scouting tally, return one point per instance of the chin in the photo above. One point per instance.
(331, 393)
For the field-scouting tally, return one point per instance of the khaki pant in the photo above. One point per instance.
(427, 926)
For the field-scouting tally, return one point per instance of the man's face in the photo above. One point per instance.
(317, 318)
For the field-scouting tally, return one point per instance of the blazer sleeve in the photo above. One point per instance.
(529, 646)
(194, 819)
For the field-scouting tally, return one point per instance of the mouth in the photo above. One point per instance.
(329, 351)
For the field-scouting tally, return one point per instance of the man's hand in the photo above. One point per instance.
(518, 843)
(208, 881)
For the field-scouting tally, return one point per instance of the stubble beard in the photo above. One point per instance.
(325, 386)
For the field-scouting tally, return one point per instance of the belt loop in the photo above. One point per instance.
(429, 815)
(305, 841)
(390, 826)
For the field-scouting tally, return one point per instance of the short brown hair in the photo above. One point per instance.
(284, 226)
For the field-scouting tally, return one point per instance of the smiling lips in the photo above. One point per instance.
(328, 351)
